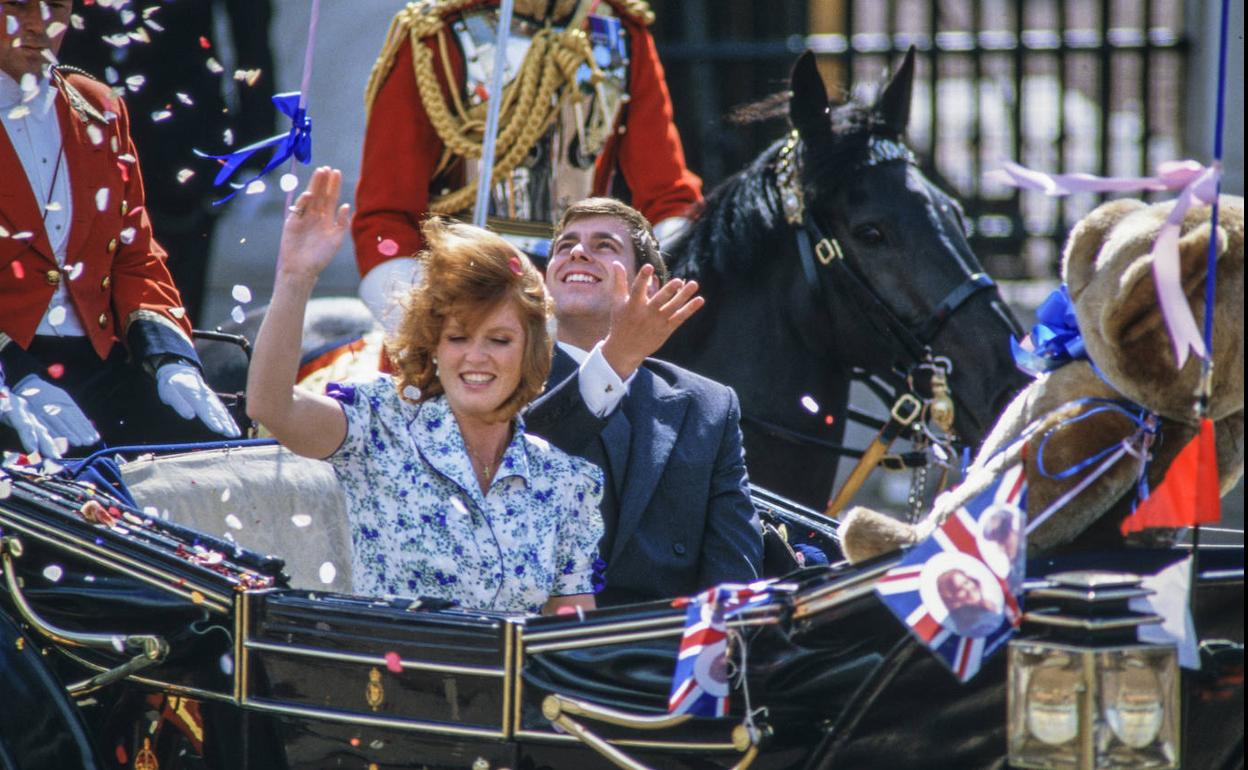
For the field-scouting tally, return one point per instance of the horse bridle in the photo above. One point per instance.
(815, 245)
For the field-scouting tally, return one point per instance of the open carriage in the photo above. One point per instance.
(151, 644)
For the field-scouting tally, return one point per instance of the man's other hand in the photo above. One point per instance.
(182, 387)
(642, 320)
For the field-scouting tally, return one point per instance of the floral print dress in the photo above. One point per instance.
(420, 525)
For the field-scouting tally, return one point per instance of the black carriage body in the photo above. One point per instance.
(263, 676)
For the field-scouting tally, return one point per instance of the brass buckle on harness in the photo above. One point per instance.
(827, 250)
(906, 409)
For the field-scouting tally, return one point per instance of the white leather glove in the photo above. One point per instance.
(56, 410)
(182, 387)
(383, 287)
(34, 435)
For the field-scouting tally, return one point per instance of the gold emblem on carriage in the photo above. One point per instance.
(146, 758)
(374, 693)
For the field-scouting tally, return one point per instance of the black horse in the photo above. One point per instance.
(832, 252)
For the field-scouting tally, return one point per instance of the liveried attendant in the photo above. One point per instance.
(93, 335)
(585, 111)
(447, 495)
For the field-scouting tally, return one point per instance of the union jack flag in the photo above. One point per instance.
(700, 683)
(958, 590)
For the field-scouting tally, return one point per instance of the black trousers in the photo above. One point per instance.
(116, 394)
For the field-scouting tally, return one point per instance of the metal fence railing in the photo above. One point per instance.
(1062, 85)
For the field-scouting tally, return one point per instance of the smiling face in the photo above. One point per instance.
(578, 275)
(25, 42)
(958, 589)
(479, 367)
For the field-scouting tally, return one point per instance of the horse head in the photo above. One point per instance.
(892, 266)
(832, 252)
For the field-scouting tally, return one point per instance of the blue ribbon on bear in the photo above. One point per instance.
(297, 143)
(1055, 339)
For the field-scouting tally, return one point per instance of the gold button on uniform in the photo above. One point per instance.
(125, 207)
(53, 277)
(104, 282)
(112, 246)
(103, 320)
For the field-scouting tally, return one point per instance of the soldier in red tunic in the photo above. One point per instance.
(93, 336)
(584, 108)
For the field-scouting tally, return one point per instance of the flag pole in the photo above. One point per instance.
(1206, 367)
(305, 82)
(485, 176)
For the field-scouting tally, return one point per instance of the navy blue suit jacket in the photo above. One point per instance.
(678, 501)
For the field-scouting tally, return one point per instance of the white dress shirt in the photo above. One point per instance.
(29, 118)
(601, 388)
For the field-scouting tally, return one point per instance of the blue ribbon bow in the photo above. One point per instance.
(297, 143)
(1055, 337)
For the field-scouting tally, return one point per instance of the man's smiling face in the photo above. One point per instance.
(578, 274)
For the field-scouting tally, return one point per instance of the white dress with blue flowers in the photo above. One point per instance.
(420, 525)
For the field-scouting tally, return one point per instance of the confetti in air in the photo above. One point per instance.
(810, 405)
(288, 182)
(328, 572)
(101, 199)
(387, 248)
(53, 573)
(233, 522)
(394, 664)
(301, 520)
(184, 175)
(238, 315)
(241, 294)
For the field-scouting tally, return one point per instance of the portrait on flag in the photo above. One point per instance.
(953, 590)
(962, 594)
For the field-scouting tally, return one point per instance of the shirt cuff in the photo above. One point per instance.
(601, 387)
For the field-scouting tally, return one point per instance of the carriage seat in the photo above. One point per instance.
(265, 498)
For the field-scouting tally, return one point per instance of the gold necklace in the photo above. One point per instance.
(485, 466)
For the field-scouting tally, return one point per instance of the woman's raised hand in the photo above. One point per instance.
(314, 227)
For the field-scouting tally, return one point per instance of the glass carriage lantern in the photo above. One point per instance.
(1084, 693)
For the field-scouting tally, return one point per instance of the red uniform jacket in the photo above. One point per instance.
(401, 150)
(123, 277)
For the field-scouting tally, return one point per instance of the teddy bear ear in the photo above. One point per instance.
(1085, 241)
(1138, 313)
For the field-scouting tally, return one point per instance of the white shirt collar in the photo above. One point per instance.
(577, 354)
(11, 95)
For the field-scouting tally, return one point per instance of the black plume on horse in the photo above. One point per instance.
(832, 252)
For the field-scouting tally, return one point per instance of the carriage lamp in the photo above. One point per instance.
(1084, 693)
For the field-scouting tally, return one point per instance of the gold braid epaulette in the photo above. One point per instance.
(530, 102)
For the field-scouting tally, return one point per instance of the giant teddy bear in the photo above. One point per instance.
(1107, 267)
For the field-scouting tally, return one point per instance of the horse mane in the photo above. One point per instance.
(732, 227)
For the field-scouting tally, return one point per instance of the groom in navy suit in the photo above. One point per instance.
(677, 509)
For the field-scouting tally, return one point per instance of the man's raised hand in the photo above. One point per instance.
(641, 321)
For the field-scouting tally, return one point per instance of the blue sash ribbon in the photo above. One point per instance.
(1055, 338)
(295, 143)
(1144, 421)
